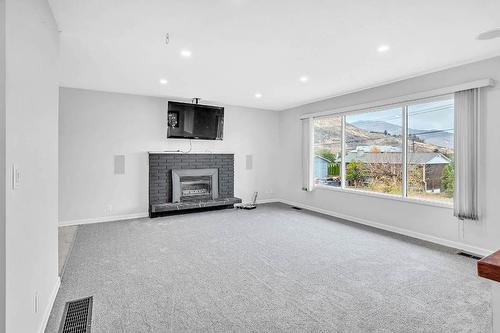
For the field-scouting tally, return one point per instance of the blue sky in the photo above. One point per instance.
(431, 115)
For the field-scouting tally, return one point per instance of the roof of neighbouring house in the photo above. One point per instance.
(322, 158)
(377, 148)
(396, 157)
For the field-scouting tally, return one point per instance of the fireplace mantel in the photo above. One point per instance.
(169, 152)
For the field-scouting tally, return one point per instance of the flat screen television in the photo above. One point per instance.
(195, 121)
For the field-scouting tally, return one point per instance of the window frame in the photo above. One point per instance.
(403, 197)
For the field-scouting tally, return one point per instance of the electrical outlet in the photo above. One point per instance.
(461, 230)
(36, 301)
(108, 209)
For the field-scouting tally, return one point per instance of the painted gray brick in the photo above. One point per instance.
(161, 166)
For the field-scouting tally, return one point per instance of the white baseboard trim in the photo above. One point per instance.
(264, 201)
(50, 304)
(433, 239)
(115, 218)
(112, 218)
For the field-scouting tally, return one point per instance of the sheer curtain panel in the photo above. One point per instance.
(307, 154)
(466, 154)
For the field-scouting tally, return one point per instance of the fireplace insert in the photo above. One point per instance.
(195, 184)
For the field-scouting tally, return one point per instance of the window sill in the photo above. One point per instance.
(385, 196)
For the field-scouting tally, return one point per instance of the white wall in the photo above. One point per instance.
(31, 144)
(431, 222)
(94, 126)
(2, 165)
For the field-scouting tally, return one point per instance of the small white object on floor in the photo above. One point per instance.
(251, 205)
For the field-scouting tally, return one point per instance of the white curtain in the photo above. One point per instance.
(466, 154)
(307, 154)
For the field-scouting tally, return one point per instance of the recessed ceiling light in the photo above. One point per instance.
(304, 79)
(490, 34)
(186, 53)
(258, 95)
(163, 81)
(383, 48)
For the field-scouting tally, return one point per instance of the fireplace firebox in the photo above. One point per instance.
(196, 187)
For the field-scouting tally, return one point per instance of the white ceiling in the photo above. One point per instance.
(241, 47)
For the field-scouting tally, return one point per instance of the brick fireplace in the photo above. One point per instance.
(179, 182)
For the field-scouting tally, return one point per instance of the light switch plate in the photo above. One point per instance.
(16, 177)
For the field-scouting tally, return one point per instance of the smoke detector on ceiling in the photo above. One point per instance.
(490, 34)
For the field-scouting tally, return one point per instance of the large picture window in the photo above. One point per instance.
(404, 150)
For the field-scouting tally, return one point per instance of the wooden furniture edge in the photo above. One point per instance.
(489, 267)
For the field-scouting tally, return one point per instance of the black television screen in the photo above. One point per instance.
(195, 121)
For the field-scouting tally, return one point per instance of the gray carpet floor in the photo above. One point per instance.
(273, 269)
